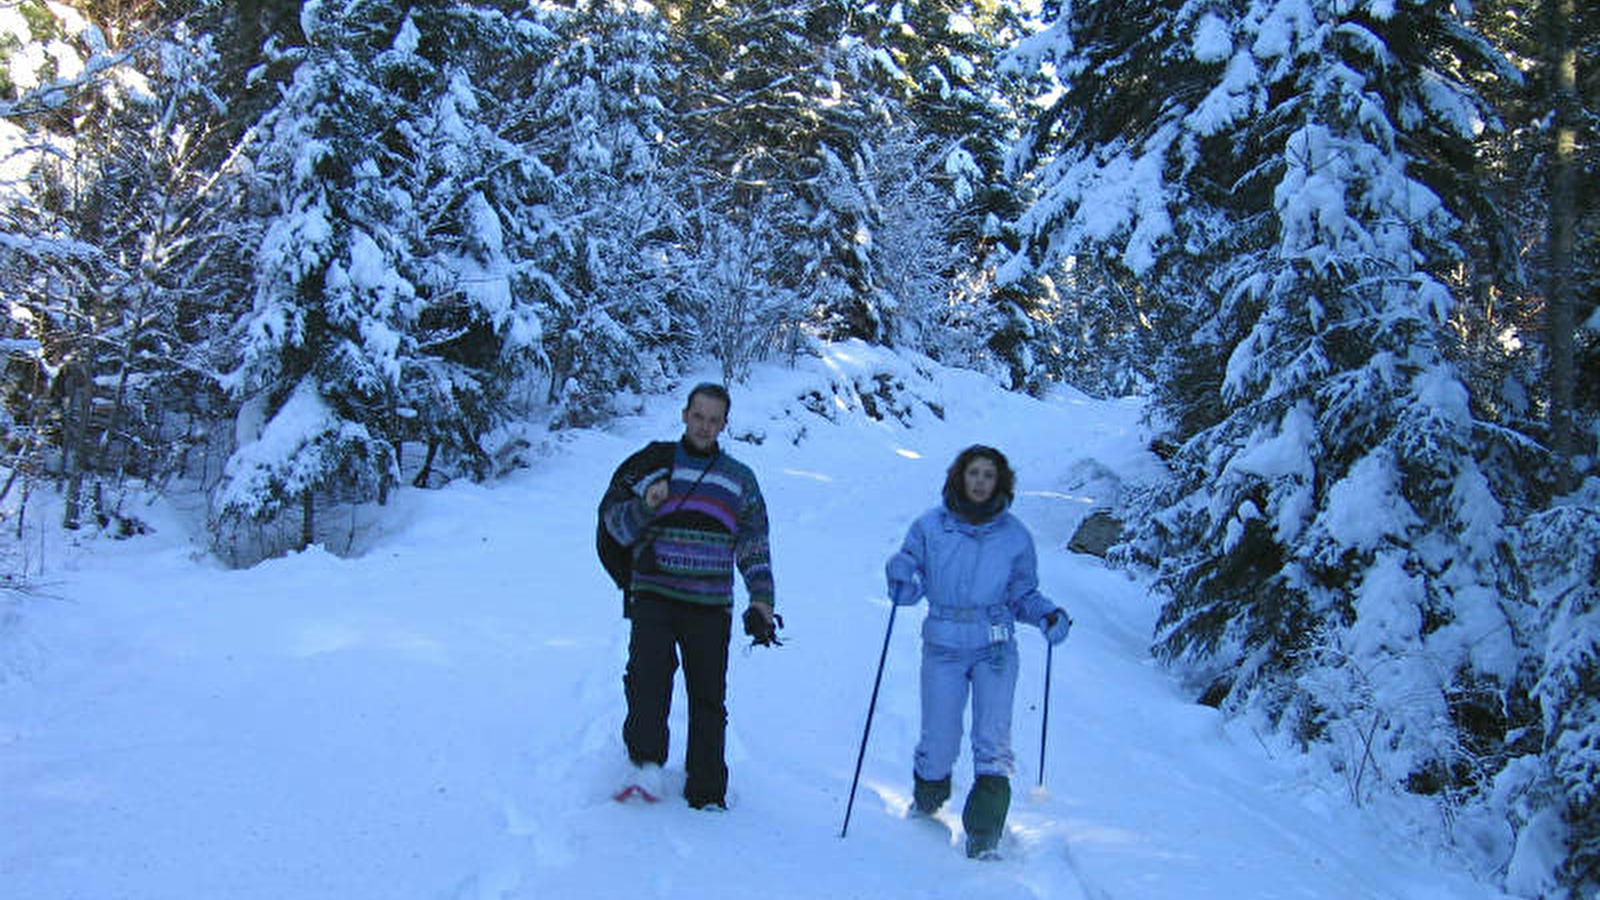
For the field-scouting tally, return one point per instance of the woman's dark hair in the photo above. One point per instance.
(1005, 484)
(714, 391)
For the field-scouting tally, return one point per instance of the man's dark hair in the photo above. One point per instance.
(714, 391)
(1005, 481)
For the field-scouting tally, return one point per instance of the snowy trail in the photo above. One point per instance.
(438, 719)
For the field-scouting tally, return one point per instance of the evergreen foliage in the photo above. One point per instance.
(476, 245)
(1289, 182)
(1321, 234)
(872, 149)
(1558, 792)
(1502, 324)
(774, 103)
(391, 297)
(739, 295)
(598, 124)
(112, 212)
(320, 348)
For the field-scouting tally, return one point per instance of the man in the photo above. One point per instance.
(690, 514)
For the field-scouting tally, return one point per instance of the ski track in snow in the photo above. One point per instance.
(439, 718)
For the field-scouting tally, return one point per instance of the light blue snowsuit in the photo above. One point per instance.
(979, 579)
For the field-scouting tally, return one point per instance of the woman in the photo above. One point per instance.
(975, 563)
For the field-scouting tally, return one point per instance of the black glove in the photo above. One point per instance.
(761, 631)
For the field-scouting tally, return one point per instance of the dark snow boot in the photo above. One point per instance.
(928, 796)
(984, 816)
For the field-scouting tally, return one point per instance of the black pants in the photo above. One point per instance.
(662, 630)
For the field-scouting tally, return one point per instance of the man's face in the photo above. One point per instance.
(703, 420)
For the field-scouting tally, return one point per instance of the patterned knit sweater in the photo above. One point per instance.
(714, 518)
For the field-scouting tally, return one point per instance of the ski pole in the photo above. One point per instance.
(1044, 730)
(871, 705)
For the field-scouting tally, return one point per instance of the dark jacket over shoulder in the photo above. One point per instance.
(713, 521)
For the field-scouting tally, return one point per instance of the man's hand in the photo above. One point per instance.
(762, 624)
(656, 494)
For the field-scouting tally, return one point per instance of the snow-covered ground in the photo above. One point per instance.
(438, 718)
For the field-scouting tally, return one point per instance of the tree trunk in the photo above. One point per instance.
(11, 477)
(75, 443)
(421, 480)
(22, 506)
(1560, 14)
(120, 399)
(308, 508)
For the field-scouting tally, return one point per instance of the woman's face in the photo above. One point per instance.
(978, 479)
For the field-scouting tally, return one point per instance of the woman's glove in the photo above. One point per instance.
(904, 586)
(904, 593)
(1055, 625)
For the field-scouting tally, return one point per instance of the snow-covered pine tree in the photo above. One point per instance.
(1283, 177)
(835, 232)
(774, 101)
(919, 205)
(937, 61)
(60, 284)
(395, 291)
(475, 224)
(107, 237)
(737, 290)
(1507, 327)
(1092, 159)
(938, 57)
(320, 350)
(1553, 792)
(599, 124)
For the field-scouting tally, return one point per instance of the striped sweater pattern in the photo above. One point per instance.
(713, 521)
